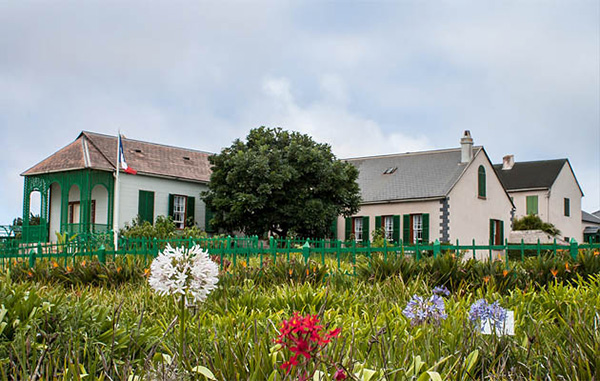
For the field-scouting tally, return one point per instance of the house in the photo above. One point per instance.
(77, 186)
(448, 195)
(591, 226)
(546, 188)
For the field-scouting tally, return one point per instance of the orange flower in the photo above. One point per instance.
(119, 269)
(554, 272)
(307, 272)
(30, 274)
(54, 264)
(505, 273)
(83, 263)
(291, 272)
(314, 269)
(486, 279)
(244, 264)
(146, 272)
(596, 253)
(567, 267)
(69, 269)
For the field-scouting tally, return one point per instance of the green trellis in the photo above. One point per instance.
(85, 180)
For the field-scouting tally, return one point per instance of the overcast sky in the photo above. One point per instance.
(368, 77)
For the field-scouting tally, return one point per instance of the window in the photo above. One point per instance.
(532, 205)
(73, 217)
(179, 203)
(417, 227)
(388, 227)
(481, 182)
(357, 228)
(93, 212)
(496, 232)
(567, 207)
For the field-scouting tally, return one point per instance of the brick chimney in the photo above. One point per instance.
(466, 147)
(507, 162)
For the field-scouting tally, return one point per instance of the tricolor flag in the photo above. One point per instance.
(122, 161)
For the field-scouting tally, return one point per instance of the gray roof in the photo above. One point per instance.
(419, 175)
(597, 213)
(530, 174)
(588, 217)
(591, 229)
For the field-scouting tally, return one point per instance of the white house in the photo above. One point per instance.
(451, 194)
(76, 186)
(546, 188)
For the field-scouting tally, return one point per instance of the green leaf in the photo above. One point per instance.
(471, 360)
(204, 371)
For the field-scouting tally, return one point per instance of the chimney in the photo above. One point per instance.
(507, 162)
(466, 147)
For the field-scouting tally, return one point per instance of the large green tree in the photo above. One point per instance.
(280, 182)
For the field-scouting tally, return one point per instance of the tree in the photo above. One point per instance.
(280, 182)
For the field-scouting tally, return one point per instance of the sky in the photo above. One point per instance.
(366, 77)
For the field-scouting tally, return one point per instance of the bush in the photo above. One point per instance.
(532, 222)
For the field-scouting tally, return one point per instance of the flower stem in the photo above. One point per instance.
(182, 327)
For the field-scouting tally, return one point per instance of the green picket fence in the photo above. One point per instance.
(247, 249)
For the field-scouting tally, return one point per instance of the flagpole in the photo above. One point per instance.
(116, 201)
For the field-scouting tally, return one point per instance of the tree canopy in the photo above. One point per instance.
(280, 182)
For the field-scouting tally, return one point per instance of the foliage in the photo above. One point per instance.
(163, 228)
(280, 182)
(533, 222)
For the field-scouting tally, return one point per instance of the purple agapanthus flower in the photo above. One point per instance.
(441, 290)
(425, 311)
(481, 311)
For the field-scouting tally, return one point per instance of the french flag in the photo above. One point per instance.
(122, 161)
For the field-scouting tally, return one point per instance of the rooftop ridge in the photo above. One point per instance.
(428, 152)
(145, 142)
(535, 161)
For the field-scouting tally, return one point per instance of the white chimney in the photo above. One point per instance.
(466, 147)
(507, 162)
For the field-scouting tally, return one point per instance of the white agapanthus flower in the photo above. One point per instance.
(184, 271)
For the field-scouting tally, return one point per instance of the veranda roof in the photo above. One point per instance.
(98, 151)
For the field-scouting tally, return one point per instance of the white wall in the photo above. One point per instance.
(55, 211)
(565, 186)
(470, 215)
(397, 208)
(100, 194)
(132, 184)
(520, 200)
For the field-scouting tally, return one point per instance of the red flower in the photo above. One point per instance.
(303, 336)
(340, 374)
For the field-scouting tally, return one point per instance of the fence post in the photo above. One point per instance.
(574, 248)
(506, 252)
(436, 248)
(273, 249)
(32, 255)
(155, 245)
(354, 257)
(102, 254)
(522, 250)
(306, 251)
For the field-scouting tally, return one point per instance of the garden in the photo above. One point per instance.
(189, 315)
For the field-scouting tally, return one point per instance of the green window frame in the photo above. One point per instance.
(532, 205)
(146, 206)
(567, 207)
(481, 185)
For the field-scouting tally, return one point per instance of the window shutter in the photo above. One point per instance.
(491, 232)
(396, 234)
(406, 229)
(142, 204)
(567, 207)
(502, 232)
(171, 204)
(334, 228)
(532, 205)
(191, 211)
(146, 206)
(208, 215)
(378, 223)
(481, 186)
(366, 228)
(425, 228)
(348, 228)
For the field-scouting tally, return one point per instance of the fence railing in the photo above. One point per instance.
(236, 249)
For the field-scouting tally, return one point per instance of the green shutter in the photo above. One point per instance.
(396, 234)
(348, 228)
(491, 232)
(481, 192)
(334, 228)
(406, 229)
(146, 206)
(567, 207)
(502, 232)
(191, 211)
(365, 228)
(377, 223)
(171, 204)
(425, 228)
(208, 215)
(532, 205)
